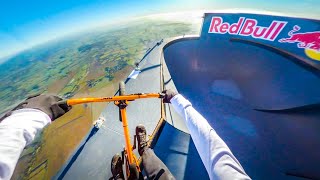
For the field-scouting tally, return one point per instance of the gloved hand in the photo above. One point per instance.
(169, 94)
(52, 105)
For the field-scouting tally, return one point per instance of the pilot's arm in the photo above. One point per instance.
(19, 128)
(216, 156)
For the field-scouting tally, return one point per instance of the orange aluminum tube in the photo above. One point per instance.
(127, 135)
(132, 97)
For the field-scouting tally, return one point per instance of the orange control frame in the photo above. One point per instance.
(131, 97)
(121, 102)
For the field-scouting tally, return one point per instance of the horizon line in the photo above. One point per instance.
(5, 58)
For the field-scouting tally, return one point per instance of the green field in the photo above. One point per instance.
(83, 61)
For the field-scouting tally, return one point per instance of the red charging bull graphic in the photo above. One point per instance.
(307, 40)
(247, 27)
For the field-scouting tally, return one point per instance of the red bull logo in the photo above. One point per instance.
(308, 40)
(247, 27)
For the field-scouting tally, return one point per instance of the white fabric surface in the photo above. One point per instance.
(17, 131)
(216, 156)
(134, 74)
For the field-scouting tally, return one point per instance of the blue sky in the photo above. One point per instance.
(24, 23)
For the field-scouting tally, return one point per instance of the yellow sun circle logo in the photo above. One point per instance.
(313, 54)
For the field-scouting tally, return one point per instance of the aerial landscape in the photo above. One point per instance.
(78, 64)
(89, 64)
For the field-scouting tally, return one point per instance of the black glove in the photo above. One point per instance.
(53, 106)
(168, 95)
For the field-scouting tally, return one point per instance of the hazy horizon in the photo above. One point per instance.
(36, 22)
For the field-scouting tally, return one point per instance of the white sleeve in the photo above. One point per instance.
(216, 156)
(17, 131)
